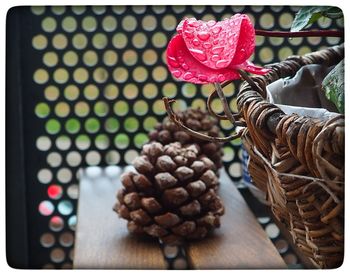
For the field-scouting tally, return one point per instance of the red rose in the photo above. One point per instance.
(208, 52)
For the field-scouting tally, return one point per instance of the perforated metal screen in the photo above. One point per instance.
(92, 80)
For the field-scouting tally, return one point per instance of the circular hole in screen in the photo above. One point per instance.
(53, 126)
(39, 42)
(111, 92)
(42, 110)
(93, 158)
(66, 239)
(63, 143)
(150, 90)
(49, 24)
(56, 223)
(73, 159)
(149, 22)
(54, 192)
(64, 175)
(65, 207)
(111, 125)
(92, 125)
(140, 139)
(102, 142)
(82, 142)
(60, 75)
(81, 109)
(139, 40)
(79, 41)
(57, 255)
(89, 24)
(121, 141)
(46, 208)
(90, 58)
(47, 240)
(54, 159)
(100, 75)
(50, 59)
(112, 157)
(72, 125)
(43, 143)
(101, 108)
(121, 108)
(131, 124)
(41, 76)
(130, 91)
(109, 23)
(91, 92)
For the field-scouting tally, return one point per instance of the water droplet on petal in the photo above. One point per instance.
(181, 59)
(216, 29)
(222, 63)
(221, 77)
(185, 66)
(240, 56)
(172, 62)
(195, 42)
(215, 42)
(215, 57)
(207, 45)
(203, 35)
(217, 49)
(189, 34)
(177, 73)
(188, 75)
(222, 42)
(231, 39)
(202, 77)
(198, 54)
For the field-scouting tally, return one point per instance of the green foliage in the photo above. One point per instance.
(308, 15)
(333, 85)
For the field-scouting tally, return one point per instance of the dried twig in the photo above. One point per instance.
(173, 117)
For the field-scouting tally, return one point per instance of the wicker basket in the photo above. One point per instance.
(299, 163)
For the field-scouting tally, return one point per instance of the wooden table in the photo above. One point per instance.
(102, 240)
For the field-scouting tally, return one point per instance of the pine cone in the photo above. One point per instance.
(172, 197)
(198, 120)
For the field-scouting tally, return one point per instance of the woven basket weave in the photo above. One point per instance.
(299, 162)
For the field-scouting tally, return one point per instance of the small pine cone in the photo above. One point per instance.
(198, 120)
(172, 196)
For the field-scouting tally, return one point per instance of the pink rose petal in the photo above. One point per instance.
(217, 44)
(184, 66)
(246, 42)
(250, 67)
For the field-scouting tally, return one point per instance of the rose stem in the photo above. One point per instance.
(210, 99)
(222, 117)
(196, 134)
(223, 100)
(311, 33)
(247, 78)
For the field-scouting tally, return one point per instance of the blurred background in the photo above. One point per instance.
(84, 87)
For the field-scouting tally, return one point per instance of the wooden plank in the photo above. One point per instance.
(239, 243)
(102, 240)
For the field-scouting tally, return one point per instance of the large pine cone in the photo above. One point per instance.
(198, 120)
(172, 196)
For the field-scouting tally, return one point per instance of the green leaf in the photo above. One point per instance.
(333, 85)
(308, 15)
(334, 13)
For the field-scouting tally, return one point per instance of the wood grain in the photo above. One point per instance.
(102, 240)
(240, 242)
